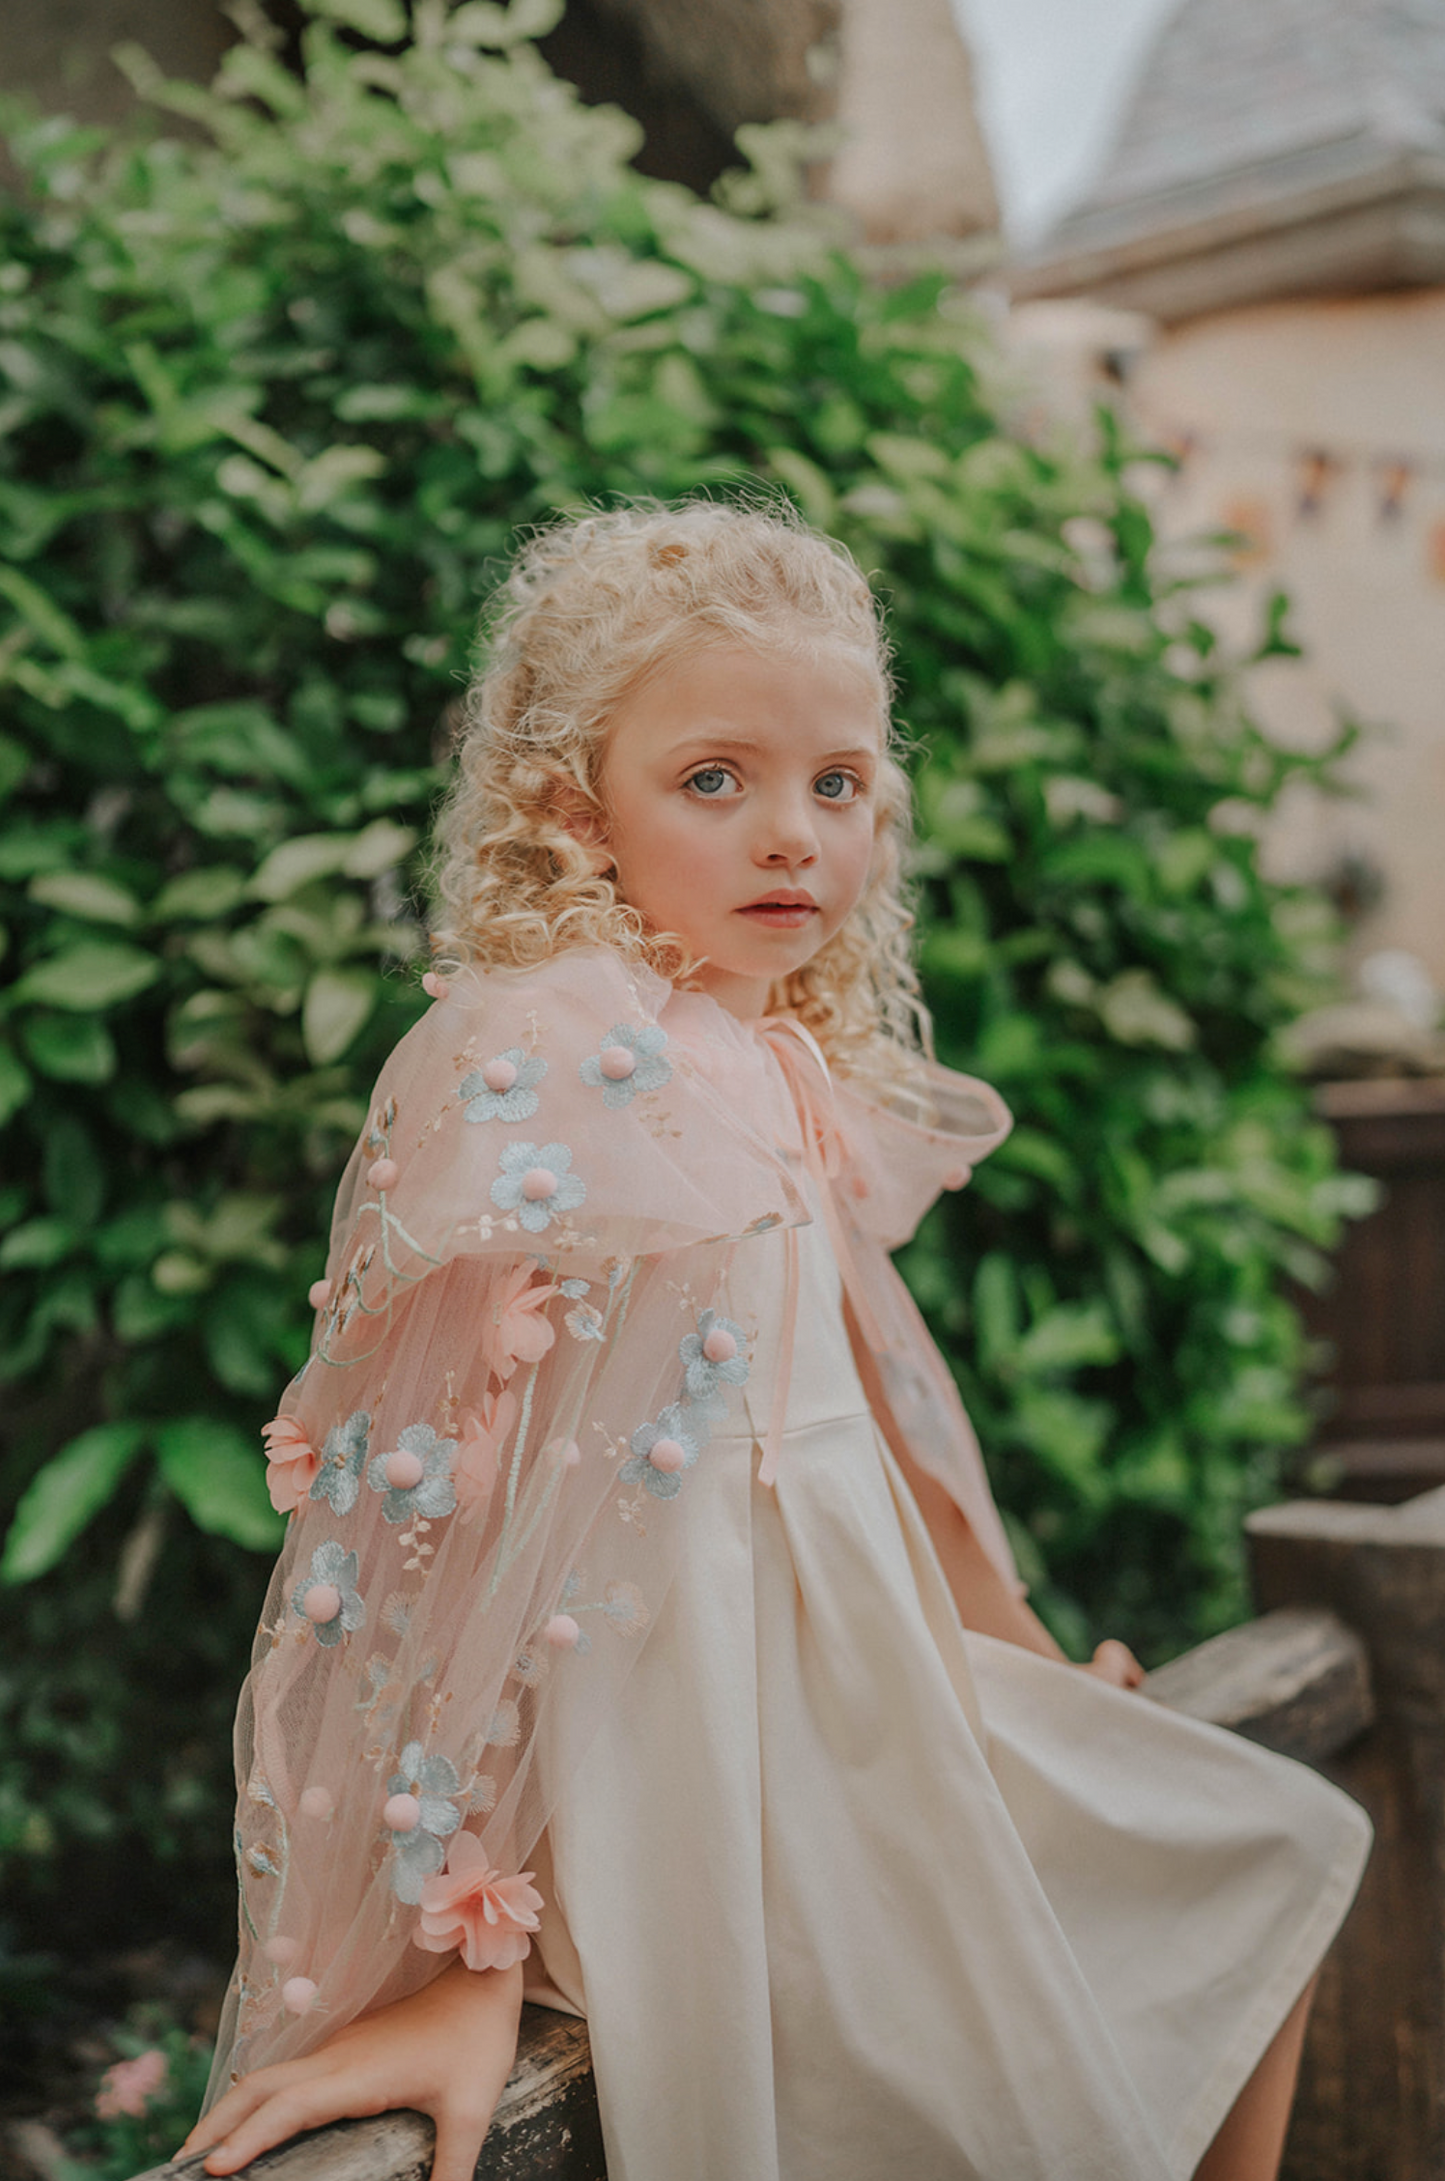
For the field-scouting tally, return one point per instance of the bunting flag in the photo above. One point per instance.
(1299, 481)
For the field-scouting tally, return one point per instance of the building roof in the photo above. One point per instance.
(1270, 147)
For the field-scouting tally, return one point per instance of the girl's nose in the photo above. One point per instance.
(788, 836)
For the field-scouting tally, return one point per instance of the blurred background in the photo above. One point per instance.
(1108, 334)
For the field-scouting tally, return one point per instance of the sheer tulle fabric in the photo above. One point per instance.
(519, 1358)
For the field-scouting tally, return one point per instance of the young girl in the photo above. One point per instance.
(645, 1638)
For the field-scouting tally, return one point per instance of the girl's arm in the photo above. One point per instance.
(984, 1600)
(447, 2050)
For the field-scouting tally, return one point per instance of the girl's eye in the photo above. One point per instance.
(712, 783)
(838, 787)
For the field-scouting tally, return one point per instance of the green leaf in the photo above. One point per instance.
(86, 894)
(14, 764)
(69, 1048)
(205, 894)
(62, 1498)
(15, 1085)
(219, 1476)
(338, 1002)
(38, 1242)
(94, 973)
(378, 847)
(481, 22)
(296, 862)
(40, 614)
(383, 20)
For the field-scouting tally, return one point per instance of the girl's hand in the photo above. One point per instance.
(1115, 1662)
(446, 2050)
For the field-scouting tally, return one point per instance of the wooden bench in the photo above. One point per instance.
(1344, 1670)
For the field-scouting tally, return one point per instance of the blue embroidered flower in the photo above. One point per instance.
(661, 1451)
(629, 1060)
(327, 1596)
(713, 1358)
(416, 1475)
(339, 1477)
(537, 1184)
(420, 1815)
(503, 1088)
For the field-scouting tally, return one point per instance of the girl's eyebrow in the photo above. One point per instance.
(859, 751)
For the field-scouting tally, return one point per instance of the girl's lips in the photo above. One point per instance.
(779, 915)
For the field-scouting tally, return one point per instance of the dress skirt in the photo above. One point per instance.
(849, 1893)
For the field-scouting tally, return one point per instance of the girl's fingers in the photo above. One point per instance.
(284, 2113)
(1115, 1662)
(242, 2098)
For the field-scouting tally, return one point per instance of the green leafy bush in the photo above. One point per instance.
(272, 402)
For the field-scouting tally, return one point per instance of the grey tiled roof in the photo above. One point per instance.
(1254, 86)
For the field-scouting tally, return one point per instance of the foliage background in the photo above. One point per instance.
(273, 399)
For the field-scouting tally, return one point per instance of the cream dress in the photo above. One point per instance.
(847, 1893)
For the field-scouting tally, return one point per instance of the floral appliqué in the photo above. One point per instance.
(481, 1433)
(342, 1458)
(474, 1908)
(292, 1463)
(416, 1475)
(328, 1597)
(420, 1814)
(661, 1452)
(712, 1358)
(536, 1184)
(516, 1330)
(503, 1088)
(628, 1061)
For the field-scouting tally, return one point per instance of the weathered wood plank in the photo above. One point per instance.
(1372, 2087)
(546, 2127)
(1297, 1681)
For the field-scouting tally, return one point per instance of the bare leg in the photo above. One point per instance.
(1250, 2144)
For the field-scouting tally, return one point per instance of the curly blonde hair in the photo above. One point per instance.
(594, 605)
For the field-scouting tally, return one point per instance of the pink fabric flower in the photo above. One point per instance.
(517, 1332)
(475, 1908)
(293, 1462)
(128, 2087)
(479, 1435)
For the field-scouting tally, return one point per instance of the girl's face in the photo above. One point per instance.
(741, 798)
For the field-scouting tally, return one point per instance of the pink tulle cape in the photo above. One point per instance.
(522, 1309)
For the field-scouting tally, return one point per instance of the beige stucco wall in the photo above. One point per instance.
(1256, 390)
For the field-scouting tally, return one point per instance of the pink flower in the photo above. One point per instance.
(517, 1331)
(477, 1909)
(293, 1460)
(480, 1434)
(129, 2086)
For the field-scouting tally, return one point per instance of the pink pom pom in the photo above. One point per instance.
(669, 1455)
(617, 1062)
(319, 1294)
(571, 1455)
(381, 1174)
(317, 1802)
(404, 1469)
(435, 986)
(402, 1813)
(297, 1994)
(563, 1631)
(719, 1347)
(956, 1177)
(538, 1182)
(499, 1075)
(321, 1603)
(282, 1951)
